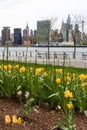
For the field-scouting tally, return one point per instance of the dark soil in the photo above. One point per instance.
(42, 119)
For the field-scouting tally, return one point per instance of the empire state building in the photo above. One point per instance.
(26, 33)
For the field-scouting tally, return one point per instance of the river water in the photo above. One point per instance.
(31, 51)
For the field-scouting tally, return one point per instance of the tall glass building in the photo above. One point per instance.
(43, 30)
(17, 36)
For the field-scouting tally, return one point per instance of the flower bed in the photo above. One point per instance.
(63, 90)
(44, 119)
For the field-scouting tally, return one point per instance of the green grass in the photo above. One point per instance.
(47, 66)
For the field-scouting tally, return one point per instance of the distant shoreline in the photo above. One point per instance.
(59, 46)
(44, 46)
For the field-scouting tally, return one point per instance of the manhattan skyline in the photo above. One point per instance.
(16, 14)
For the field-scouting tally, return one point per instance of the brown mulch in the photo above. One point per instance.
(43, 119)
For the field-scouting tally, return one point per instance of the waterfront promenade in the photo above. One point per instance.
(79, 63)
(39, 55)
(69, 63)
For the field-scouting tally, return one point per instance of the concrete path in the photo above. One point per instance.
(78, 63)
(68, 63)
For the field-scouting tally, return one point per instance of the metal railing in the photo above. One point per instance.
(41, 57)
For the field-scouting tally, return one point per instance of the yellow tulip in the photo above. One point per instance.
(38, 71)
(16, 66)
(5, 67)
(70, 105)
(14, 119)
(68, 94)
(31, 68)
(45, 74)
(83, 84)
(82, 77)
(22, 69)
(58, 107)
(9, 71)
(0, 67)
(58, 80)
(19, 121)
(9, 67)
(7, 119)
(67, 78)
(59, 71)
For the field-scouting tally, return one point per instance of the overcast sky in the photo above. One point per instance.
(16, 13)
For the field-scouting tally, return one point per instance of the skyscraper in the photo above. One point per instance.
(31, 32)
(66, 30)
(5, 35)
(17, 36)
(43, 30)
(68, 20)
(26, 33)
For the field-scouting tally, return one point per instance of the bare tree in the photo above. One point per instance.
(81, 23)
(52, 25)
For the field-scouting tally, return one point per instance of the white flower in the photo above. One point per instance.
(27, 95)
